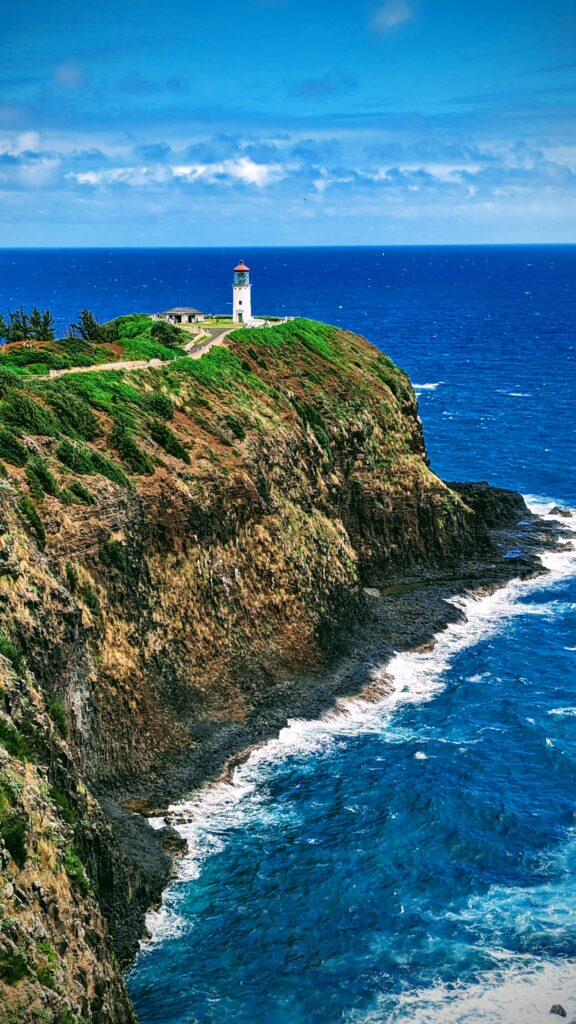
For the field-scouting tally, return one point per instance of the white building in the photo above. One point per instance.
(182, 315)
(241, 295)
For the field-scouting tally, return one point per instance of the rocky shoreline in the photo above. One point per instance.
(402, 615)
(189, 558)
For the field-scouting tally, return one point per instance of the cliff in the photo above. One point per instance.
(181, 548)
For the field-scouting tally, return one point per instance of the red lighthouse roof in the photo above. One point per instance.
(241, 267)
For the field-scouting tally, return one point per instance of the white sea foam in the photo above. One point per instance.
(210, 816)
(427, 387)
(520, 993)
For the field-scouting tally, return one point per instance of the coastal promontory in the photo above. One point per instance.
(187, 552)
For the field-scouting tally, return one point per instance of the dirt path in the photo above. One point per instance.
(216, 336)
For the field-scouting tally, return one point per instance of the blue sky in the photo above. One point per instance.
(263, 122)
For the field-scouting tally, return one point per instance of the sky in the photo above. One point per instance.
(287, 122)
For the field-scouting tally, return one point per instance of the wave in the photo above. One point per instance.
(520, 993)
(215, 811)
(427, 387)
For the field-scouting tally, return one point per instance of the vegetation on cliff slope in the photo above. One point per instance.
(133, 337)
(175, 543)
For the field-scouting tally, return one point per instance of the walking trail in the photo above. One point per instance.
(216, 336)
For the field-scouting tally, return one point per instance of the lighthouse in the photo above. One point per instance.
(241, 294)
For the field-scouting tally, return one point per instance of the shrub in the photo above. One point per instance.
(79, 491)
(117, 555)
(75, 871)
(235, 426)
(15, 742)
(64, 806)
(167, 440)
(9, 380)
(167, 334)
(71, 577)
(39, 476)
(138, 460)
(29, 511)
(84, 460)
(12, 449)
(13, 966)
(10, 651)
(75, 415)
(57, 713)
(160, 404)
(25, 414)
(91, 599)
(48, 957)
(13, 830)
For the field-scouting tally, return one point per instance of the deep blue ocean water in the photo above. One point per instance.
(414, 859)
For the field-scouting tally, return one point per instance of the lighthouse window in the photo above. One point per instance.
(240, 302)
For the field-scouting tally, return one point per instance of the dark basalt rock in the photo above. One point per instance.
(558, 1010)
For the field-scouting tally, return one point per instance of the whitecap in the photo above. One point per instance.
(519, 990)
(427, 387)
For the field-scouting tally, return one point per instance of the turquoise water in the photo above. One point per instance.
(414, 859)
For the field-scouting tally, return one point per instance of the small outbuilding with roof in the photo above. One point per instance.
(182, 315)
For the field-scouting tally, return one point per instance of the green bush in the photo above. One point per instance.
(29, 511)
(47, 955)
(138, 460)
(12, 449)
(75, 871)
(71, 577)
(64, 806)
(86, 461)
(9, 379)
(91, 599)
(160, 404)
(235, 426)
(13, 832)
(116, 553)
(22, 412)
(10, 651)
(57, 713)
(13, 966)
(40, 478)
(75, 415)
(167, 440)
(167, 334)
(15, 742)
(79, 491)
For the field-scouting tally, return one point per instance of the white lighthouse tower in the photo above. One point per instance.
(241, 294)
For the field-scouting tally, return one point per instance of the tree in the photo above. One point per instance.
(48, 332)
(88, 328)
(36, 324)
(167, 334)
(3, 328)
(19, 327)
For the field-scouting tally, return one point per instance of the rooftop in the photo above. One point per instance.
(181, 309)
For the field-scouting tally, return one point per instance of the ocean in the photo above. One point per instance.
(413, 859)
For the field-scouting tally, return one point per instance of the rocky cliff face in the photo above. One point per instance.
(176, 546)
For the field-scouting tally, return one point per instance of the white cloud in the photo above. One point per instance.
(390, 15)
(241, 169)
